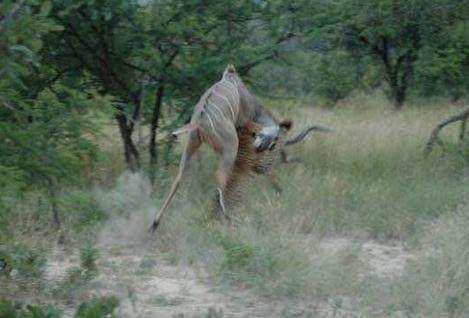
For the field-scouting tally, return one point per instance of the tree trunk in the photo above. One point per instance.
(398, 77)
(154, 124)
(153, 130)
(131, 154)
(398, 71)
(462, 130)
(52, 193)
(138, 118)
(55, 211)
(399, 96)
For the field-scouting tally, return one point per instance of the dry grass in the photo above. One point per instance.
(366, 181)
(365, 226)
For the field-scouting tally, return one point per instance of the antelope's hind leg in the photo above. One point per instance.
(193, 144)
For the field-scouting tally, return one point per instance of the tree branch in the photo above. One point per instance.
(461, 116)
(244, 69)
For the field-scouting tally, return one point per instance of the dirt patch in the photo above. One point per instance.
(57, 267)
(383, 259)
(149, 286)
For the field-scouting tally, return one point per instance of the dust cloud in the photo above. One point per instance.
(130, 209)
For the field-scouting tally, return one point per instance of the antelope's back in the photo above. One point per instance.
(219, 105)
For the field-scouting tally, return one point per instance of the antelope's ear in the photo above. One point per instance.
(286, 124)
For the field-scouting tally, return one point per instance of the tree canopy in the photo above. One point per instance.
(63, 62)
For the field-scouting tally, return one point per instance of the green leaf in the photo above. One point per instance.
(24, 50)
(46, 8)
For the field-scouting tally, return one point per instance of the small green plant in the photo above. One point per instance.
(27, 262)
(211, 313)
(95, 308)
(69, 287)
(88, 257)
(246, 262)
(164, 301)
(78, 276)
(98, 308)
(237, 255)
(214, 313)
(35, 311)
(9, 309)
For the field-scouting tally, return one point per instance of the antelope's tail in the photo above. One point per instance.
(183, 130)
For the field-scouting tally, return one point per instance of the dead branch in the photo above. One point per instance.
(462, 116)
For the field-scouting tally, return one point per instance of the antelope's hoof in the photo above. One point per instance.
(154, 226)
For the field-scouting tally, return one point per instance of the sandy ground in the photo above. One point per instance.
(149, 286)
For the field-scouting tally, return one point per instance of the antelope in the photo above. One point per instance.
(245, 135)
(224, 109)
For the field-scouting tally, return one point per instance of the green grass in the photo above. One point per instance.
(368, 180)
(434, 282)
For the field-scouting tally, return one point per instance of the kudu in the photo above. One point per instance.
(224, 109)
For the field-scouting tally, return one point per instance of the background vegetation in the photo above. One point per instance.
(89, 90)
